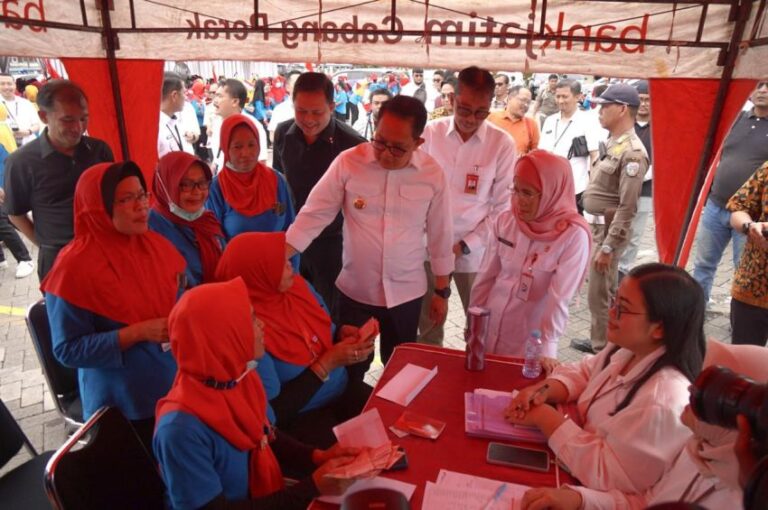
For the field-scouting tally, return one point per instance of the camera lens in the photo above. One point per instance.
(719, 395)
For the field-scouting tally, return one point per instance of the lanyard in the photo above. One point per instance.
(688, 490)
(557, 122)
(176, 137)
(16, 110)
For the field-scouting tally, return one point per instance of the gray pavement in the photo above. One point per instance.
(23, 388)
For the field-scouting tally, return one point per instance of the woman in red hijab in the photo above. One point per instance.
(180, 189)
(215, 446)
(248, 196)
(109, 295)
(304, 371)
(536, 259)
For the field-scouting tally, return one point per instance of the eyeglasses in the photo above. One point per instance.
(761, 85)
(187, 186)
(620, 310)
(524, 193)
(466, 112)
(393, 149)
(133, 198)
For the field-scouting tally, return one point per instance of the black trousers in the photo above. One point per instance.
(46, 256)
(749, 324)
(320, 265)
(397, 325)
(12, 240)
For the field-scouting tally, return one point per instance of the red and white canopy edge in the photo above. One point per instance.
(702, 59)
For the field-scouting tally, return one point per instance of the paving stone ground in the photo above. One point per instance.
(24, 391)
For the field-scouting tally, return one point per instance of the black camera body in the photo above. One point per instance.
(718, 396)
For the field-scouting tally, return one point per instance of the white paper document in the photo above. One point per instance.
(373, 483)
(366, 430)
(458, 491)
(408, 383)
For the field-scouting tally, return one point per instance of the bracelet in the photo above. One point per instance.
(319, 370)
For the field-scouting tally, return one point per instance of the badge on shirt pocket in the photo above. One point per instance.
(526, 282)
(470, 185)
(278, 208)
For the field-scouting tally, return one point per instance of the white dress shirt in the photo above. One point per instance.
(631, 450)
(708, 492)
(386, 214)
(282, 112)
(218, 155)
(490, 155)
(556, 267)
(170, 136)
(557, 136)
(23, 115)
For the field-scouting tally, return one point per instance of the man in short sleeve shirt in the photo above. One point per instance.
(613, 192)
(41, 176)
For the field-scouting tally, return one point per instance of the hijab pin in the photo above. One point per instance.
(359, 203)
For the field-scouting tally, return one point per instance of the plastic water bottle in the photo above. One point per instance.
(532, 366)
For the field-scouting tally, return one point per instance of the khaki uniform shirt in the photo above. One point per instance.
(615, 183)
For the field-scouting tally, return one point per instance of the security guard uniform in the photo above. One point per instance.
(613, 192)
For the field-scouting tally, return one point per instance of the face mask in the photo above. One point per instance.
(185, 215)
(232, 167)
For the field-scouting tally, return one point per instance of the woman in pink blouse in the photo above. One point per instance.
(536, 259)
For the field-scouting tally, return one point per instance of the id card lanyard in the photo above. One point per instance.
(558, 138)
(526, 279)
(472, 180)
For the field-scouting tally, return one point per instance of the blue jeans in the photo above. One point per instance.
(714, 233)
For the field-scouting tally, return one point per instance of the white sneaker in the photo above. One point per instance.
(4, 264)
(25, 268)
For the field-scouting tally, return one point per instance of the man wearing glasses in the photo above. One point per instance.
(391, 194)
(501, 93)
(477, 158)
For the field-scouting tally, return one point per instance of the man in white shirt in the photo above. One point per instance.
(391, 194)
(416, 87)
(478, 160)
(561, 129)
(171, 134)
(366, 124)
(22, 116)
(284, 111)
(230, 100)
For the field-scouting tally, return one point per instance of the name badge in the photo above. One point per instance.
(526, 281)
(470, 185)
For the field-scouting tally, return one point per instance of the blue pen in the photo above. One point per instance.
(496, 496)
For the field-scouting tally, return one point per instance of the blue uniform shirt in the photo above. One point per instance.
(183, 238)
(198, 464)
(132, 380)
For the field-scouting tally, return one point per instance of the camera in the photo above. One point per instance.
(718, 395)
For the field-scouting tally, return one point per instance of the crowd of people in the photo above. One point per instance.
(220, 307)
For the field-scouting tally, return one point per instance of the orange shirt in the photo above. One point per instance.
(525, 131)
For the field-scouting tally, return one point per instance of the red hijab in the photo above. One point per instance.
(198, 89)
(220, 350)
(126, 278)
(169, 173)
(295, 325)
(278, 89)
(249, 193)
(551, 175)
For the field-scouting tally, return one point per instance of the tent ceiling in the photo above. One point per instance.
(651, 38)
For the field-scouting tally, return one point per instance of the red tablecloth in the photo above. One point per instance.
(443, 399)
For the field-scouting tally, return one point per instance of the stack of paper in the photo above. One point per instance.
(484, 417)
(457, 491)
(369, 463)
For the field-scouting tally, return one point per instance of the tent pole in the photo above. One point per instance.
(744, 8)
(110, 42)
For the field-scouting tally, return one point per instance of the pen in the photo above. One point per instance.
(496, 496)
(533, 397)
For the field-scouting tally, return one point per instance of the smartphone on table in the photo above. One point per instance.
(517, 456)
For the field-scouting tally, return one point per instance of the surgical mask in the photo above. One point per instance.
(185, 215)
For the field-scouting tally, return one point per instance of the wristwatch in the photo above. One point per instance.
(745, 227)
(464, 248)
(606, 249)
(444, 293)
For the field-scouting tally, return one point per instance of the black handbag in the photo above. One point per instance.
(578, 148)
